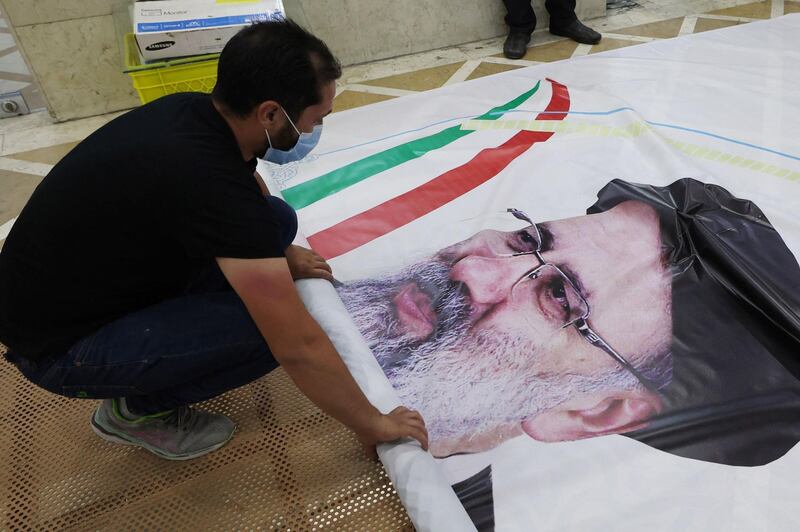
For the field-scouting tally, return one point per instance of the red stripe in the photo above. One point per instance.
(407, 207)
(559, 102)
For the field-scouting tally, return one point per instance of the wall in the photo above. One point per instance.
(72, 49)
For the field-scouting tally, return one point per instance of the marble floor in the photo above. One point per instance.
(30, 145)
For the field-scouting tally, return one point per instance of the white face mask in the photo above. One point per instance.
(305, 143)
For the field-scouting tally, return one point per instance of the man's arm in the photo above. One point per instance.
(306, 353)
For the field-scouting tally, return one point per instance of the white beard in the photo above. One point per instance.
(463, 383)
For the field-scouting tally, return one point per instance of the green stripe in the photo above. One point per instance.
(313, 190)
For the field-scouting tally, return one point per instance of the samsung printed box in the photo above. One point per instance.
(179, 28)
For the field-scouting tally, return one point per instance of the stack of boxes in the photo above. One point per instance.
(175, 43)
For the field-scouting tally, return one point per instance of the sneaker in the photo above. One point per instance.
(516, 45)
(179, 434)
(578, 32)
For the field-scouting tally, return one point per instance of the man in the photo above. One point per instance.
(560, 330)
(521, 21)
(149, 270)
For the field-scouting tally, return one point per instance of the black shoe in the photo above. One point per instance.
(576, 31)
(516, 44)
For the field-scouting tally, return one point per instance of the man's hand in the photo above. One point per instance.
(399, 423)
(306, 353)
(307, 264)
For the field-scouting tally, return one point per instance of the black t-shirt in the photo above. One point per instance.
(125, 220)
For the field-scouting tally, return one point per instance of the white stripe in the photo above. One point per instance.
(463, 72)
(6, 228)
(388, 91)
(635, 38)
(20, 135)
(582, 49)
(340, 88)
(24, 167)
(507, 61)
(726, 17)
(687, 28)
(777, 9)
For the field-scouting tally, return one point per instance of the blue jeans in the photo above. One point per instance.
(174, 353)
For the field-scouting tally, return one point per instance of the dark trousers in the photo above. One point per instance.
(521, 17)
(174, 353)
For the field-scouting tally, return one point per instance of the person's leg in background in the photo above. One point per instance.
(564, 22)
(151, 364)
(521, 22)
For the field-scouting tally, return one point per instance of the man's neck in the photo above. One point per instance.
(238, 128)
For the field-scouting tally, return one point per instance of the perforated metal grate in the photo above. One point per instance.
(289, 467)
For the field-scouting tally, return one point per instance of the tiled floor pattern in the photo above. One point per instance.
(649, 20)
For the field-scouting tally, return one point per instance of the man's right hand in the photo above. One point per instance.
(306, 353)
(399, 423)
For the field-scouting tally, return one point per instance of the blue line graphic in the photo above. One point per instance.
(589, 113)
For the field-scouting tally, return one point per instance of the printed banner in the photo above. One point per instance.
(586, 285)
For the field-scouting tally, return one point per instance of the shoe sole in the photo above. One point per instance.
(116, 438)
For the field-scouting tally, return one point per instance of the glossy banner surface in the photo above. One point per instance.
(584, 275)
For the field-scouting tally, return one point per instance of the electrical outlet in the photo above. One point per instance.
(13, 104)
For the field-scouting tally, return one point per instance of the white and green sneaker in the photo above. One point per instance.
(179, 434)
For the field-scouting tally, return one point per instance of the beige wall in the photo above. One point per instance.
(72, 46)
(72, 49)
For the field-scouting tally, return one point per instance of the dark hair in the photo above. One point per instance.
(276, 60)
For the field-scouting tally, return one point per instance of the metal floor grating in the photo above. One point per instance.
(289, 467)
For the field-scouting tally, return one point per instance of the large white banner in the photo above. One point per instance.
(583, 275)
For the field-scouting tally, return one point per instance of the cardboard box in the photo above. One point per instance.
(178, 28)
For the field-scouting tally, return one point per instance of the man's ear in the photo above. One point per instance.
(267, 112)
(594, 415)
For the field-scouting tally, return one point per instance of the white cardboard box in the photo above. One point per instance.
(179, 28)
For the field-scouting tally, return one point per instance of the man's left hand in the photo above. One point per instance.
(307, 264)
